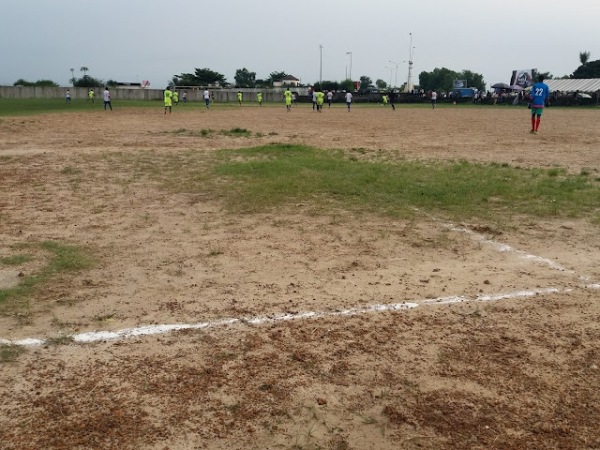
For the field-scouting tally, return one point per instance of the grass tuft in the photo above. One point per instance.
(61, 259)
(10, 353)
(15, 260)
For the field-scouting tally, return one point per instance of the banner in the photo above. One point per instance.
(459, 84)
(523, 78)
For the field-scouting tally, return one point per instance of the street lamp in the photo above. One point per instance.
(396, 79)
(391, 69)
(350, 73)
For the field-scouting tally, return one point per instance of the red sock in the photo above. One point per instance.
(537, 123)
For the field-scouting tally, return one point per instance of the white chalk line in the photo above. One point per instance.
(148, 330)
(99, 336)
(502, 248)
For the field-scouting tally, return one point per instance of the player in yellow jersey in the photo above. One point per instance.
(91, 95)
(168, 95)
(288, 99)
(259, 98)
(240, 97)
(175, 97)
(320, 99)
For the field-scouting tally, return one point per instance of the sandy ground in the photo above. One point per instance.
(318, 332)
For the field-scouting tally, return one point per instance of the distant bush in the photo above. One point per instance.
(39, 83)
(87, 81)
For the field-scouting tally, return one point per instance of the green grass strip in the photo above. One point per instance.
(264, 177)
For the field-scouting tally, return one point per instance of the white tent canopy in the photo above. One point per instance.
(572, 85)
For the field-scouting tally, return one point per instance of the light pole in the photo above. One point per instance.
(411, 54)
(397, 65)
(350, 73)
(391, 69)
(321, 67)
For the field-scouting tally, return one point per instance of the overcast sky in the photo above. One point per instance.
(135, 40)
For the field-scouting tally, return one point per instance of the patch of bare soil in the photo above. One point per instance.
(505, 368)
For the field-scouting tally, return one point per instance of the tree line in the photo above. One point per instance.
(438, 79)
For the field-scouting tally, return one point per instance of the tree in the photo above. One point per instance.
(365, 83)
(201, 77)
(443, 79)
(22, 82)
(347, 85)
(87, 81)
(546, 75)
(381, 84)
(474, 80)
(584, 57)
(244, 78)
(588, 70)
(38, 83)
(84, 69)
(276, 76)
(330, 85)
(438, 79)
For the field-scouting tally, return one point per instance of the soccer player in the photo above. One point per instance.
(107, 101)
(539, 95)
(206, 97)
(240, 97)
(320, 99)
(314, 99)
(168, 96)
(288, 99)
(348, 100)
(68, 98)
(175, 97)
(433, 99)
(259, 98)
(384, 99)
(392, 99)
(91, 95)
(329, 98)
(184, 96)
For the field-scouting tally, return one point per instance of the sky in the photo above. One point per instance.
(135, 40)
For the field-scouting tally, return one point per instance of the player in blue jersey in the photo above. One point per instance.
(539, 95)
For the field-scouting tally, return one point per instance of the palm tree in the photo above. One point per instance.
(584, 57)
(84, 69)
(72, 76)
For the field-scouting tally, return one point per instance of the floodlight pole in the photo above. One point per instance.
(411, 54)
(350, 73)
(321, 67)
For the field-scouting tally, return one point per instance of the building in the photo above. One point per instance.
(287, 81)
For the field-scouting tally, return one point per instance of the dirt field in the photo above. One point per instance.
(297, 331)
